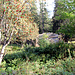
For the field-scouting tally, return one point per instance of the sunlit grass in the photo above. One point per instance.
(71, 42)
(11, 48)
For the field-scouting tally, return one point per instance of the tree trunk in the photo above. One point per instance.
(0, 36)
(2, 53)
(4, 46)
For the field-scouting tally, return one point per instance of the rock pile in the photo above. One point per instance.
(52, 37)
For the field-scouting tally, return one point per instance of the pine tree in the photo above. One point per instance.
(42, 19)
(56, 23)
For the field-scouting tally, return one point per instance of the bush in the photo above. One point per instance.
(59, 50)
(61, 67)
(56, 51)
(40, 60)
(43, 41)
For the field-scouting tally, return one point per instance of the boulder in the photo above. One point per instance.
(52, 37)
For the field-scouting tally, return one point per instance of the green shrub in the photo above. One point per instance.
(61, 67)
(56, 51)
(59, 50)
(43, 41)
(40, 61)
(68, 65)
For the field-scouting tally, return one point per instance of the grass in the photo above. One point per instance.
(19, 66)
(11, 48)
(73, 42)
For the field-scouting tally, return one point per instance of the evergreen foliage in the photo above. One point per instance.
(65, 13)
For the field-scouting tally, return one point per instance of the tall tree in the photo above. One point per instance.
(56, 23)
(68, 16)
(42, 19)
(15, 21)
